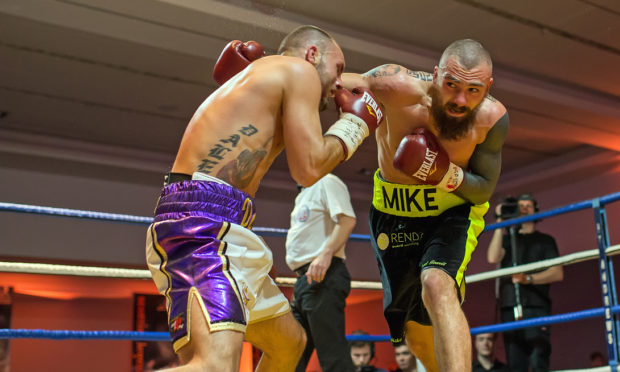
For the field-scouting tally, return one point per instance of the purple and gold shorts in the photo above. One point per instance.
(200, 246)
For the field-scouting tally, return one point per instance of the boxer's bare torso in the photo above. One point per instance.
(405, 97)
(238, 131)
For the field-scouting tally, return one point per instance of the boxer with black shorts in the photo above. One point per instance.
(201, 250)
(439, 157)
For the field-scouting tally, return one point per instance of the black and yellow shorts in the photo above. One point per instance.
(415, 227)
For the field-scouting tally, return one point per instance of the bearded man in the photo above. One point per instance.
(439, 153)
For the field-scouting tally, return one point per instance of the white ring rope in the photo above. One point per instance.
(593, 369)
(543, 264)
(93, 271)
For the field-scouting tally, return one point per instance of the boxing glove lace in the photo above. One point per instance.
(360, 115)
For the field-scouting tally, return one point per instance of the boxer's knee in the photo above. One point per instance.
(281, 338)
(296, 341)
(438, 289)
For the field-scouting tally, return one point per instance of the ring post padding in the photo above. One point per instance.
(607, 283)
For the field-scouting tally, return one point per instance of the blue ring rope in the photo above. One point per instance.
(272, 231)
(115, 217)
(84, 335)
(165, 336)
(556, 211)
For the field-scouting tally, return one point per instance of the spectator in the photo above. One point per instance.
(529, 347)
(405, 360)
(484, 344)
(362, 354)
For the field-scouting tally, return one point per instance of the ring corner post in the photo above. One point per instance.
(608, 287)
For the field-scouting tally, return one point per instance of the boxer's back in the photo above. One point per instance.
(237, 131)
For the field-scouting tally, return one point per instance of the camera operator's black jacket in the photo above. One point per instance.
(532, 247)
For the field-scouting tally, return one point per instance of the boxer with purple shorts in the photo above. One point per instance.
(210, 253)
(201, 251)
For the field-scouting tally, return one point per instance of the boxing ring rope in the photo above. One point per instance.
(84, 335)
(91, 271)
(109, 272)
(603, 253)
(126, 218)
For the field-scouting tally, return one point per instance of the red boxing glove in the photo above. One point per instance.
(360, 115)
(420, 155)
(234, 58)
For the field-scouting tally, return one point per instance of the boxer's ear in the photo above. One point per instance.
(313, 55)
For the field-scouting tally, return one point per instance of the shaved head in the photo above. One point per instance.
(468, 53)
(460, 83)
(319, 48)
(303, 36)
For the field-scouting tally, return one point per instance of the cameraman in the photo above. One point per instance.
(530, 346)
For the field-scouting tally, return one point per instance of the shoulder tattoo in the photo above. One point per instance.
(491, 98)
(384, 70)
(421, 75)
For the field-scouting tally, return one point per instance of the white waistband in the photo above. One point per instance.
(205, 177)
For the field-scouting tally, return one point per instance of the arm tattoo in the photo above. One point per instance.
(485, 165)
(384, 70)
(491, 98)
(424, 76)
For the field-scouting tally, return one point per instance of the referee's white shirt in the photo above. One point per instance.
(313, 219)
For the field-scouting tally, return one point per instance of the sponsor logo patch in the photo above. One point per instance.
(383, 241)
(177, 323)
(434, 263)
(405, 239)
(303, 214)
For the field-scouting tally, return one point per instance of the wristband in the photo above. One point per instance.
(452, 179)
(529, 278)
(351, 131)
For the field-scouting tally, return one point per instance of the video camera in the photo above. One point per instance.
(510, 208)
(368, 369)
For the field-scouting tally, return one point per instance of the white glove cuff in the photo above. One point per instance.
(351, 130)
(452, 179)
